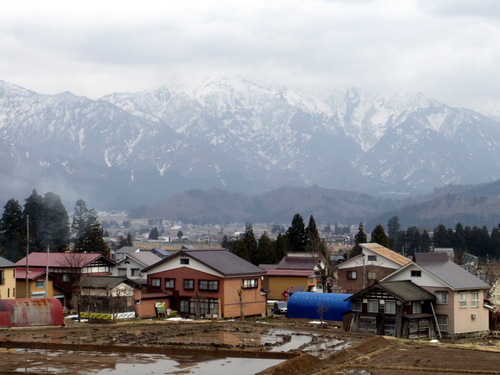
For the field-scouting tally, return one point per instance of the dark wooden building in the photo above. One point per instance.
(394, 308)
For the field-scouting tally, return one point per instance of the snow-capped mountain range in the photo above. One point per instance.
(237, 135)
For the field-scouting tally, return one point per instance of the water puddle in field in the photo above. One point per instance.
(61, 361)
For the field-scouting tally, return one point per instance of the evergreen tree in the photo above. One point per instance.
(12, 232)
(106, 233)
(153, 235)
(281, 247)
(127, 241)
(241, 249)
(180, 235)
(250, 243)
(379, 236)
(312, 233)
(88, 232)
(413, 240)
(49, 222)
(441, 237)
(296, 235)
(425, 242)
(393, 227)
(360, 237)
(266, 253)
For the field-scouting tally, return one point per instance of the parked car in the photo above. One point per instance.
(280, 307)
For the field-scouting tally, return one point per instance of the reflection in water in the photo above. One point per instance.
(86, 363)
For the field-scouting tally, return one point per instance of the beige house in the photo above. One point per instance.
(7, 279)
(459, 294)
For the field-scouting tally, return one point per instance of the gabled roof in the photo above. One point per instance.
(297, 263)
(102, 282)
(62, 260)
(127, 249)
(32, 274)
(5, 263)
(405, 291)
(220, 260)
(146, 258)
(439, 266)
(386, 253)
(288, 272)
(162, 251)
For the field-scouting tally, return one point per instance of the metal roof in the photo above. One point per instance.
(448, 272)
(127, 249)
(101, 282)
(5, 263)
(277, 272)
(404, 290)
(297, 263)
(32, 274)
(386, 253)
(220, 260)
(146, 258)
(62, 260)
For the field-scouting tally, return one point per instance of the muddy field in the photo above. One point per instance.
(273, 346)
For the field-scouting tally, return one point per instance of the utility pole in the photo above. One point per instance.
(47, 274)
(27, 253)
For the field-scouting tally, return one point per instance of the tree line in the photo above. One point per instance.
(476, 241)
(43, 223)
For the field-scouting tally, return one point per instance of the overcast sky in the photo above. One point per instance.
(446, 49)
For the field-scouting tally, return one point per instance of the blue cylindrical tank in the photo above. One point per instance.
(307, 305)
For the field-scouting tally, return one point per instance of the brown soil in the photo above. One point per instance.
(365, 354)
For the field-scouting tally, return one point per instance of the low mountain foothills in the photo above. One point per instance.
(129, 149)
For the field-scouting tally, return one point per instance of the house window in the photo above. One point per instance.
(135, 272)
(189, 284)
(390, 307)
(311, 280)
(352, 275)
(372, 258)
(357, 306)
(373, 306)
(474, 296)
(442, 298)
(462, 298)
(8, 292)
(416, 273)
(122, 272)
(14, 273)
(442, 323)
(416, 307)
(184, 260)
(169, 283)
(39, 284)
(2, 279)
(184, 307)
(65, 278)
(211, 285)
(155, 282)
(250, 283)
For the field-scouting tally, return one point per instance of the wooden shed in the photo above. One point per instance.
(31, 312)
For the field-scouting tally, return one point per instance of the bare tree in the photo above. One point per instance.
(240, 295)
(322, 309)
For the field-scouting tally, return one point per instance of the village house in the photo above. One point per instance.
(37, 285)
(7, 279)
(67, 269)
(107, 297)
(209, 283)
(132, 264)
(459, 308)
(393, 308)
(291, 272)
(374, 263)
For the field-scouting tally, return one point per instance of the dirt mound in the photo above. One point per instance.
(368, 346)
(303, 364)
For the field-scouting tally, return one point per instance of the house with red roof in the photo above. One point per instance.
(36, 285)
(67, 269)
(208, 282)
